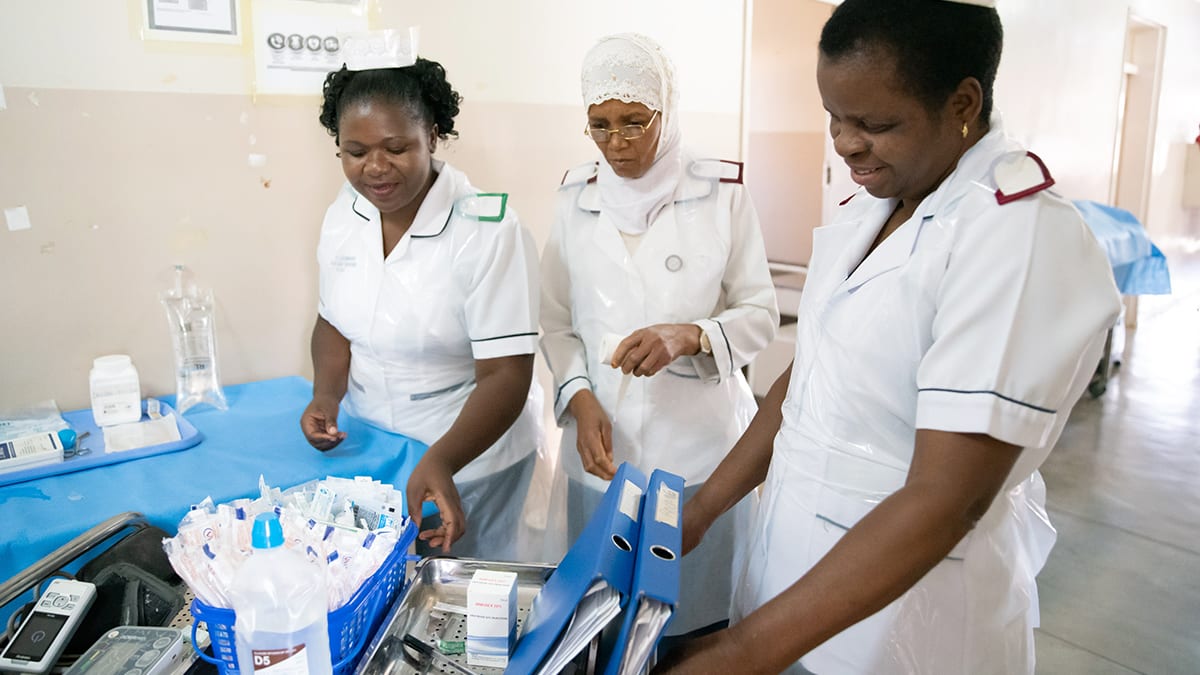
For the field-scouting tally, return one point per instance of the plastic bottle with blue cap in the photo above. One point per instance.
(280, 606)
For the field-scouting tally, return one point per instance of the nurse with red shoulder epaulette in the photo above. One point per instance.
(953, 313)
(656, 293)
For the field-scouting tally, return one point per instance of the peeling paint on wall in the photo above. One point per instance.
(17, 218)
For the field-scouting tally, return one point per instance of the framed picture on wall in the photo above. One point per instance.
(193, 20)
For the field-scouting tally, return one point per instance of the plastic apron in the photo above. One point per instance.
(693, 264)
(846, 443)
(409, 318)
(673, 420)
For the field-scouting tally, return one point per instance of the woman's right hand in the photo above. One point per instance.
(319, 423)
(593, 438)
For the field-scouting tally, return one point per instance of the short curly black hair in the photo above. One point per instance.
(421, 87)
(936, 44)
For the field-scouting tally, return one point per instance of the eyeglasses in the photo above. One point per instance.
(628, 132)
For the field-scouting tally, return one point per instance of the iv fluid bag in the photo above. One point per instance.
(190, 315)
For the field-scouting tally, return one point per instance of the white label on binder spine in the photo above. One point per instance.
(630, 495)
(668, 506)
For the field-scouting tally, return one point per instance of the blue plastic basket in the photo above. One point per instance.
(350, 626)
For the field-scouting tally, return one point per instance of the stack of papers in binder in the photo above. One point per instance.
(591, 585)
(649, 621)
(599, 606)
(655, 584)
(619, 582)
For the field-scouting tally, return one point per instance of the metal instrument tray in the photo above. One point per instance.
(445, 580)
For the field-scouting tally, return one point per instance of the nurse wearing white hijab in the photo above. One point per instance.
(655, 293)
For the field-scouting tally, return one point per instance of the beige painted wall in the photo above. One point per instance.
(787, 125)
(121, 185)
(1059, 88)
(131, 156)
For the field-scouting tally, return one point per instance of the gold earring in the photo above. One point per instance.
(964, 129)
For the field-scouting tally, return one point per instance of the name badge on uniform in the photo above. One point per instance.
(342, 263)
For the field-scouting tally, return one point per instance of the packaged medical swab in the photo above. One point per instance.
(327, 525)
(22, 421)
(30, 451)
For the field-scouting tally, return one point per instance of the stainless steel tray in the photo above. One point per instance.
(444, 580)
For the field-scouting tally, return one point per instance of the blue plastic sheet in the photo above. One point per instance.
(259, 434)
(1139, 268)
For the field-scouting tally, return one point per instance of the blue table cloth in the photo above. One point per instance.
(258, 435)
(1138, 266)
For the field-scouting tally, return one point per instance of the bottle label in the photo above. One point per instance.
(289, 661)
(116, 400)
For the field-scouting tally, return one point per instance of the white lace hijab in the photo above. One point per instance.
(633, 68)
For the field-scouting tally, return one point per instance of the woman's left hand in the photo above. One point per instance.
(648, 350)
(433, 480)
(713, 653)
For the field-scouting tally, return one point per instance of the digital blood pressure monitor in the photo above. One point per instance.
(133, 650)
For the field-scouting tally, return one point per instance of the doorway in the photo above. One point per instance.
(1137, 117)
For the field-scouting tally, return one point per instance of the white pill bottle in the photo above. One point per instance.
(116, 393)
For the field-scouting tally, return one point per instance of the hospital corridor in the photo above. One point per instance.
(1121, 590)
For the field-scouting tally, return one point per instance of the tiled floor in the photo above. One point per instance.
(1121, 591)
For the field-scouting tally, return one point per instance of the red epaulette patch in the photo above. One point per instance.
(584, 173)
(1018, 175)
(720, 170)
(741, 166)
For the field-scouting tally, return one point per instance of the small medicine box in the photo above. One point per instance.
(491, 618)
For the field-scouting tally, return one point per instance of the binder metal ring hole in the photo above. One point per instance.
(662, 552)
(621, 543)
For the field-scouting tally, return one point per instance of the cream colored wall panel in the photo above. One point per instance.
(530, 51)
(96, 45)
(1191, 176)
(1178, 117)
(786, 125)
(121, 186)
(527, 51)
(1059, 88)
(784, 175)
(783, 66)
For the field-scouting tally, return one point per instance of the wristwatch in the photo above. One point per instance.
(705, 344)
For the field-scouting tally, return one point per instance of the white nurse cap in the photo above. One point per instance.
(367, 50)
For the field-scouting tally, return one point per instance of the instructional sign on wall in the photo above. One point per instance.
(296, 43)
(193, 16)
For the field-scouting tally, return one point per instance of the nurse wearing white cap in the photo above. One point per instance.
(953, 313)
(428, 312)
